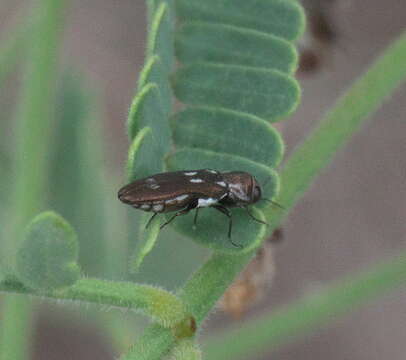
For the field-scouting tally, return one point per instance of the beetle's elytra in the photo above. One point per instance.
(182, 191)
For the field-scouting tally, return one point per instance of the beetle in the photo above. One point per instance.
(183, 191)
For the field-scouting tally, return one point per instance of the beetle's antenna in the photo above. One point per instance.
(269, 200)
(274, 203)
(254, 218)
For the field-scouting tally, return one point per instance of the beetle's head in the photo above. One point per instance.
(243, 188)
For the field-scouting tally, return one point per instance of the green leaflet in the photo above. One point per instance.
(265, 93)
(147, 238)
(143, 156)
(150, 132)
(153, 72)
(230, 132)
(219, 43)
(160, 39)
(147, 110)
(279, 17)
(48, 254)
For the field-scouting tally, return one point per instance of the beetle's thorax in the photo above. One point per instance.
(241, 186)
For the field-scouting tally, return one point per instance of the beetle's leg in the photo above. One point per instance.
(192, 205)
(227, 212)
(195, 218)
(150, 220)
(253, 217)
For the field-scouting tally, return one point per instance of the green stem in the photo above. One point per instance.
(162, 306)
(33, 123)
(15, 328)
(216, 274)
(34, 119)
(361, 100)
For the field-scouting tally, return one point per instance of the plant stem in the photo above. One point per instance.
(15, 328)
(30, 173)
(164, 307)
(34, 119)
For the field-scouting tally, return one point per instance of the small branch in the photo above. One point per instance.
(164, 307)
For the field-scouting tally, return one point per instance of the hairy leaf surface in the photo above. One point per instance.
(279, 17)
(265, 93)
(226, 44)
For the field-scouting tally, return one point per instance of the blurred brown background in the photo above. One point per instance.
(354, 215)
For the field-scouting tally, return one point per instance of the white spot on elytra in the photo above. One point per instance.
(145, 206)
(181, 197)
(212, 171)
(151, 180)
(196, 180)
(206, 202)
(190, 173)
(136, 205)
(221, 183)
(158, 207)
(170, 201)
(154, 186)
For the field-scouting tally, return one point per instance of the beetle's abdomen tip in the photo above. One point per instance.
(123, 195)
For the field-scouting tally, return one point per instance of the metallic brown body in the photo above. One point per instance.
(182, 191)
(172, 186)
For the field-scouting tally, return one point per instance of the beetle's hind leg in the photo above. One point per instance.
(195, 218)
(192, 205)
(150, 220)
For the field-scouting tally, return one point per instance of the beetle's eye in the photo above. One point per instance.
(257, 193)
